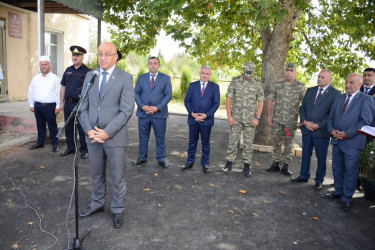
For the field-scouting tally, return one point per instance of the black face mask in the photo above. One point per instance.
(248, 74)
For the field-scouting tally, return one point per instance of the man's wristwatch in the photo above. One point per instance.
(258, 118)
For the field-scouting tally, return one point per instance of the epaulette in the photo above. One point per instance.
(87, 66)
(298, 82)
(257, 80)
(237, 77)
(279, 81)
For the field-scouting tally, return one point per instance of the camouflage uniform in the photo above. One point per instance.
(287, 99)
(245, 96)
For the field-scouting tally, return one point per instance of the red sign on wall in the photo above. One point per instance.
(14, 25)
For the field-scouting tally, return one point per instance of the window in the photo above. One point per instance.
(54, 48)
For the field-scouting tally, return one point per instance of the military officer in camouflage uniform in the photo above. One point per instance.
(243, 115)
(287, 96)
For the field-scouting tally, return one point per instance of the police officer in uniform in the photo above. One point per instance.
(71, 86)
(243, 115)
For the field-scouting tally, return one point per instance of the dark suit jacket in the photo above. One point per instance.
(208, 103)
(160, 94)
(359, 113)
(114, 109)
(371, 91)
(318, 113)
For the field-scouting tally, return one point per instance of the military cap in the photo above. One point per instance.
(119, 55)
(292, 66)
(249, 66)
(77, 50)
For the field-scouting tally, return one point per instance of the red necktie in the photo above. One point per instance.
(318, 97)
(202, 91)
(345, 104)
(152, 81)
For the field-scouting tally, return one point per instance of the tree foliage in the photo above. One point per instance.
(316, 34)
(328, 34)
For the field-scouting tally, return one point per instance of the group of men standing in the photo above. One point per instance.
(109, 104)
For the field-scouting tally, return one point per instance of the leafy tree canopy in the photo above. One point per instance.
(335, 34)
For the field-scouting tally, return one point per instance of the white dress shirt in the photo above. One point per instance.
(205, 85)
(107, 76)
(44, 89)
(156, 75)
(351, 98)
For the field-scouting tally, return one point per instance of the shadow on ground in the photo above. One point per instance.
(181, 210)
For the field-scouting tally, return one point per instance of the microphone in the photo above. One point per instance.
(94, 75)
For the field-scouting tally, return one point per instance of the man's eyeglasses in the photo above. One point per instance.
(105, 55)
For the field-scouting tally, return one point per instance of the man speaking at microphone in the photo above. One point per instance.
(105, 112)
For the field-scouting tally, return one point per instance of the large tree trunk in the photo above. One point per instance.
(275, 49)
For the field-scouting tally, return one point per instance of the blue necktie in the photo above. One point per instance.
(102, 85)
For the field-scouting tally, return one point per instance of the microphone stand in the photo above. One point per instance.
(77, 243)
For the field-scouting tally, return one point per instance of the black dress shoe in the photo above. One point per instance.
(35, 146)
(67, 152)
(84, 155)
(118, 220)
(162, 164)
(274, 167)
(89, 211)
(138, 162)
(318, 186)
(285, 170)
(227, 168)
(205, 169)
(345, 206)
(332, 196)
(55, 149)
(186, 166)
(298, 179)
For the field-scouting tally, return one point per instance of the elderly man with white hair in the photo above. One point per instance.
(44, 101)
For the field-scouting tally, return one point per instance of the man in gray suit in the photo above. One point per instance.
(350, 112)
(106, 110)
(314, 113)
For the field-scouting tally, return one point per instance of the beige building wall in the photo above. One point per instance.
(22, 53)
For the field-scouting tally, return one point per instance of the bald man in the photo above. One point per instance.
(106, 111)
(350, 112)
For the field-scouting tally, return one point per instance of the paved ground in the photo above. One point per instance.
(181, 210)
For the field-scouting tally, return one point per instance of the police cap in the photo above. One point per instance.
(77, 50)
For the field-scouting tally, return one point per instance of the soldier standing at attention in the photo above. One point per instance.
(243, 115)
(71, 87)
(287, 96)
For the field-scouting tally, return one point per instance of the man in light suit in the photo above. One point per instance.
(153, 91)
(105, 112)
(314, 113)
(350, 112)
(201, 101)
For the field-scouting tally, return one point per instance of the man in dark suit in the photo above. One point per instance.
(153, 91)
(350, 112)
(201, 101)
(368, 86)
(105, 113)
(314, 113)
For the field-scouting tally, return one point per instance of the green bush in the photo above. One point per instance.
(92, 64)
(214, 78)
(141, 71)
(186, 77)
(367, 161)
